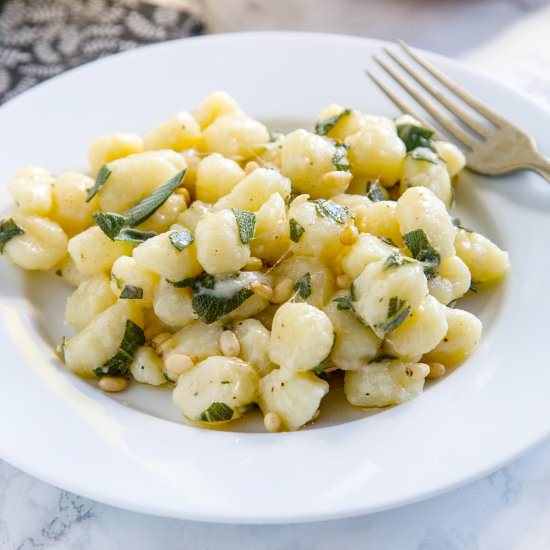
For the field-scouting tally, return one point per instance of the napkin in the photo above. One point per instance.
(39, 40)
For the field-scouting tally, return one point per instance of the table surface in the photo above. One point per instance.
(509, 510)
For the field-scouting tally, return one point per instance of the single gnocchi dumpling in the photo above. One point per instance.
(485, 260)
(366, 250)
(418, 208)
(309, 161)
(219, 246)
(384, 295)
(111, 147)
(132, 281)
(134, 177)
(384, 384)
(216, 177)
(254, 342)
(101, 338)
(355, 344)
(463, 335)
(217, 390)
(214, 106)
(161, 256)
(452, 156)
(301, 337)
(147, 367)
(70, 209)
(272, 237)
(381, 220)
(179, 132)
(31, 189)
(42, 245)
(452, 281)
(377, 152)
(255, 189)
(235, 136)
(197, 340)
(428, 171)
(421, 331)
(93, 252)
(173, 306)
(294, 397)
(92, 297)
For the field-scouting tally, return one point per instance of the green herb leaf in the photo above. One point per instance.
(117, 280)
(130, 292)
(421, 249)
(344, 303)
(398, 311)
(214, 297)
(102, 176)
(458, 223)
(340, 158)
(134, 236)
(321, 367)
(415, 136)
(382, 358)
(110, 223)
(217, 412)
(296, 230)
(375, 192)
(181, 239)
(387, 240)
(330, 209)
(426, 154)
(151, 203)
(246, 222)
(303, 286)
(395, 304)
(473, 286)
(119, 364)
(323, 127)
(8, 230)
(396, 260)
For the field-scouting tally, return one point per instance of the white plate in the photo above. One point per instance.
(135, 454)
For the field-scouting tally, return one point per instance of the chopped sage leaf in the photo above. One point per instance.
(102, 176)
(330, 209)
(117, 280)
(426, 154)
(60, 349)
(344, 303)
(110, 223)
(168, 379)
(213, 297)
(246, 222)
(303, 286)
(134, 236)
(217, 412)
(151, 203)
(324, 126)
(415, 136)
(375, 192)
(398, 311)
(418, 243)
(8, 230)
(396, 260)
(130, 292)
(181, 239)
(321, 367)
(340, 158)
(394, 305)
(382, 358)
(458, 223)
(225, 382)
(387, 240)
(296, 230)
(473, 286)
(119, 364)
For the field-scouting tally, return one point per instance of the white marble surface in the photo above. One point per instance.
(509, 510)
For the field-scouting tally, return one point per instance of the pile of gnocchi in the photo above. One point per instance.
(240, 267)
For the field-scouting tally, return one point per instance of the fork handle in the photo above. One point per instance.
(541, 165)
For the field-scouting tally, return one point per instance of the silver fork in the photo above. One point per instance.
(492, 149)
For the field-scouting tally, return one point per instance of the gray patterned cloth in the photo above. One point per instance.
(42, 38)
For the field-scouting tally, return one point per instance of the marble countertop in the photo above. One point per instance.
(508, 510)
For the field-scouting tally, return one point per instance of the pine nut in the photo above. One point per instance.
(264, 291)
(184, 192)
(437, 370)
(417, 371)
(113, 384)
(253, 264)
(158, 340)
(229, 343)
(282, 291)
(178, 363)
(272, 422)
(251, 166)
(343, 281)
(337, 179)
(350, 235)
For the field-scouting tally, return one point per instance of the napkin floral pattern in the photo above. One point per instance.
(42, 38)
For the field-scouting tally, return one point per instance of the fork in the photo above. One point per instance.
(492, 147)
